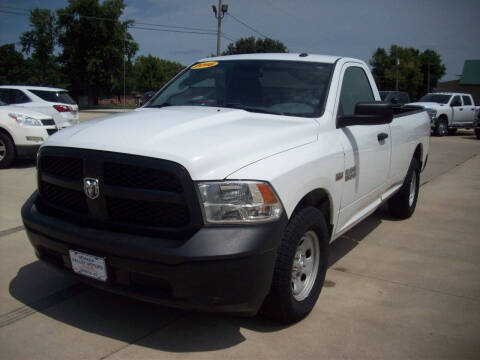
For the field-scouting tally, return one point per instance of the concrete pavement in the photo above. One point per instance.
(395, 289)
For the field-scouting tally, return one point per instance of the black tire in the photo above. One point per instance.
(401, 205)
(452, 131)
(281, 304)
(441, 127)
(477, 132)
(7, 151)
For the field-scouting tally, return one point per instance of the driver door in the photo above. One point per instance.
(366, 150)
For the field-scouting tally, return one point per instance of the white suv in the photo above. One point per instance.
(46, 100)
(22, 132)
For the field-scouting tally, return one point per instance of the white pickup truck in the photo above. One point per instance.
(448, 111)
(224, 191)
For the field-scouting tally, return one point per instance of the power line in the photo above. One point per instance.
(10, 12)
(246, 25)
(184, 29)
(170, 30)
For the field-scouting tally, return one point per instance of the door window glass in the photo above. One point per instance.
(18, 97)
(355, 88)
(466, 100)
(456, 101)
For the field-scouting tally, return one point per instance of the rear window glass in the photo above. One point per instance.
(54, 96)
(466, 100)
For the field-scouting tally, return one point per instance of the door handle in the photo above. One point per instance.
(382, 136)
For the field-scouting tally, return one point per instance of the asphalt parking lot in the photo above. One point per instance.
(394, 289)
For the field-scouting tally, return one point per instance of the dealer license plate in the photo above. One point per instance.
(88, 265)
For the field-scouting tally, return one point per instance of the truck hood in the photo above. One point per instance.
(429, 105)
(209, 142)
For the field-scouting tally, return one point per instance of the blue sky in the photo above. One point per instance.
(334, 27)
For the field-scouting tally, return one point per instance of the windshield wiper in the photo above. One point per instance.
(166, 103)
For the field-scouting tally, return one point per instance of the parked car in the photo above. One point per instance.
(54, 102)
(448, 111)
(21, 133)
(396, 98)
(223, 193)
(477, 126)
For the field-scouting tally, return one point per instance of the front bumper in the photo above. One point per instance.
(26, 151)
(227, 269)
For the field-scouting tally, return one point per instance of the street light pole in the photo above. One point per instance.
(397, 62)
(220, 14)
(428, 76)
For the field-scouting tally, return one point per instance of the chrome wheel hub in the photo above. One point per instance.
(413, 189)
(305, 265)
(3, 150)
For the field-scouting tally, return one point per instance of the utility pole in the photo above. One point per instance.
(220, 14)
(397, 62)
(428, 76)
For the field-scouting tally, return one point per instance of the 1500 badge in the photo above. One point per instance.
(350, 173)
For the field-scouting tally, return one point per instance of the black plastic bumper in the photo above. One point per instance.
(27, 151)
(226, 269)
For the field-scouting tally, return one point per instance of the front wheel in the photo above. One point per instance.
(441, 127)
(7, 151)
(300, 268)
(403, 203)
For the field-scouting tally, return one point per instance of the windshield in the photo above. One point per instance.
(436, 98)
(54, 96)
(275, 87)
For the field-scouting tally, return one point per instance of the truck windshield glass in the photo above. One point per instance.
(266, 86)
(437, 98)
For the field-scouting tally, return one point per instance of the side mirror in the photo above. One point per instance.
(394, 101)
(368, 113)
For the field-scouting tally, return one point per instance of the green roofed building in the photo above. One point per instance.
(469, 81)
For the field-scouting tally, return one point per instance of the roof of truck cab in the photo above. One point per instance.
(277, 56)
(28, 87)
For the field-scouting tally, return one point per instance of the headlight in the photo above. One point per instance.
(233, 202)
(432, 113)
(25, 120)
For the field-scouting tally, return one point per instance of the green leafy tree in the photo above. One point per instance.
(251, 45)
(14, 67)
(95, 44)
(433, 70)
(409, 66)
(151, 73)
(40, 42)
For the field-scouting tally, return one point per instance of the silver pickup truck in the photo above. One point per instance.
(448, 111)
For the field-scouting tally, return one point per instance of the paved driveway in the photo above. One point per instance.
(395, 289)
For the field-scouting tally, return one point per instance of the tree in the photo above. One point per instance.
(15, 71)
(432, 68)
(151, 73)
(40, 41)
(95, 45)
(251, 45)
(412, 69)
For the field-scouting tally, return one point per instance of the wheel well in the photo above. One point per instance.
(443, 116)
(319, 199)
(3, 131)
(418, 154)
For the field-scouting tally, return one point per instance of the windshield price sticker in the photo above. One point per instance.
(205, 65)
